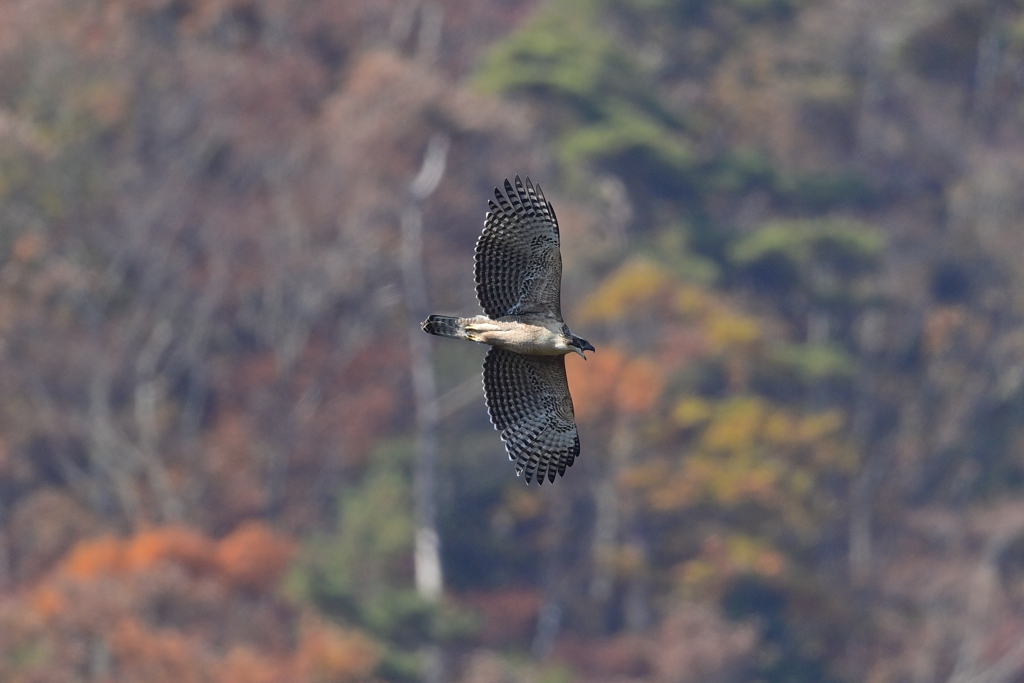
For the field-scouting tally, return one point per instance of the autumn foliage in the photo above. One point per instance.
(162, 605)
(791, 229)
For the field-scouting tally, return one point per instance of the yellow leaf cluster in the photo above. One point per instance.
(736, 425)
(746, 479)
(629, 560)
(780, 427)
(696, 577)
(523, 505)
(783, 428)
(691, 301)
(684, 487)
(819, 426)
(747, 553)
(691, 411)
(745, 451)
(722, 558)
(635, 283)
(727, 330)
(640, 282)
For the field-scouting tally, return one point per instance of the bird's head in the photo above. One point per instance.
(580, 345)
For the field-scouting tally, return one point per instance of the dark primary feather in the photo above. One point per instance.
(518, 265)
(529, 403)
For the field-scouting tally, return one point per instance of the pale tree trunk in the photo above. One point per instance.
(427, 557)
(427, 549)
(611, 518)
(427, 544)
(859, 557)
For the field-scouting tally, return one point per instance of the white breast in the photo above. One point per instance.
(519, 337)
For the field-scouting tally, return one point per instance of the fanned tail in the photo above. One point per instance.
(445, 326)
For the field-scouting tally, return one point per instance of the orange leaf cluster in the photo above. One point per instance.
(330, 654)
(613, 380)
(639, 386)
(47, 601)
(155, 656)
(90, 558)
(507, 615)
(252, 557)
(243, 664)
(164, 606)
(171, 543)
(594, 385)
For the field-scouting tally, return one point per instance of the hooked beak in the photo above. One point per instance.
(584, 346)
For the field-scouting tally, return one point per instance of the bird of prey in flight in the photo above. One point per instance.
(518, 281)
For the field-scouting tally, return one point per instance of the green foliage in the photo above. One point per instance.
(556, 673)
(682, 10)
(360, 573)
(813, 363)
(672, 248)
(28, 656)
(848, 246)
(606, 102)
(605, 107)
(625, 129)
(562, 53)
(477, 522)
(821, 191)
(357, 570)
(824, 259)
(738, 170)
(398, 665)
(777, 8)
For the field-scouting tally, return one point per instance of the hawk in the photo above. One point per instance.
(518, 280)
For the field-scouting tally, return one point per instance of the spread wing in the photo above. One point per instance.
(529, 403)
(518, 266)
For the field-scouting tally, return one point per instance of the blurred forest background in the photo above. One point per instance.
(792, 228)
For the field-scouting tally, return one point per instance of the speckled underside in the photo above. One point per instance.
(518, 266)
(529, 403)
